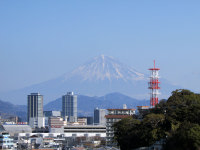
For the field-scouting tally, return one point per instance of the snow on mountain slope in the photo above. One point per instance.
(104, 67)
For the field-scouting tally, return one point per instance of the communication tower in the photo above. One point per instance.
(154, 85)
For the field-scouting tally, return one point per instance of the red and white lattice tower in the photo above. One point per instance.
(154, 86)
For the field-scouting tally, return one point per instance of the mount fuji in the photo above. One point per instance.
(99, 76)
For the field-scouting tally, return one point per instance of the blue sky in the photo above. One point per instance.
(41, 40)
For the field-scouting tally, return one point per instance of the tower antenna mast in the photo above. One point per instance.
(154, 85)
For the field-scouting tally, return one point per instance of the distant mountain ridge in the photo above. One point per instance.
(97, 77)
(87, 104)
(8, 109)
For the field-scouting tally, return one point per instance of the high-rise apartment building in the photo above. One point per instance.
(69, 107)
(99, 116)
(35, 110)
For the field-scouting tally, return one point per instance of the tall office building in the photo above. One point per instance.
(99, 116)
(35, 110)
(69, 107)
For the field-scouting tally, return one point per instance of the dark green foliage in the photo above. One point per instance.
(152, 126)
(186, 137)
(131, 133)
(175, 120)
(128, 133)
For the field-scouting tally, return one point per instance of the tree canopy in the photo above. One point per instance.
(176, 121)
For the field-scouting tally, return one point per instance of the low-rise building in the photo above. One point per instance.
(56, 124)
(48, 114)
(87, 130)
(8, 119)
(82, 121)
(115, 115)
(5, 141)
(16, 129)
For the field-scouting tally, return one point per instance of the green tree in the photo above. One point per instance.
(128, 133)
(131, 133)
(175, 120)
(152, 128)
(187, 137)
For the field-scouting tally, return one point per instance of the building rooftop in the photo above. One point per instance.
(35, 93)
(84, 126)
(17, 128)
(117, 116)
(143, 106)
(121, 109)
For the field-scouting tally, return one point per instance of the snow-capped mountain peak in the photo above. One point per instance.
(105, 68)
